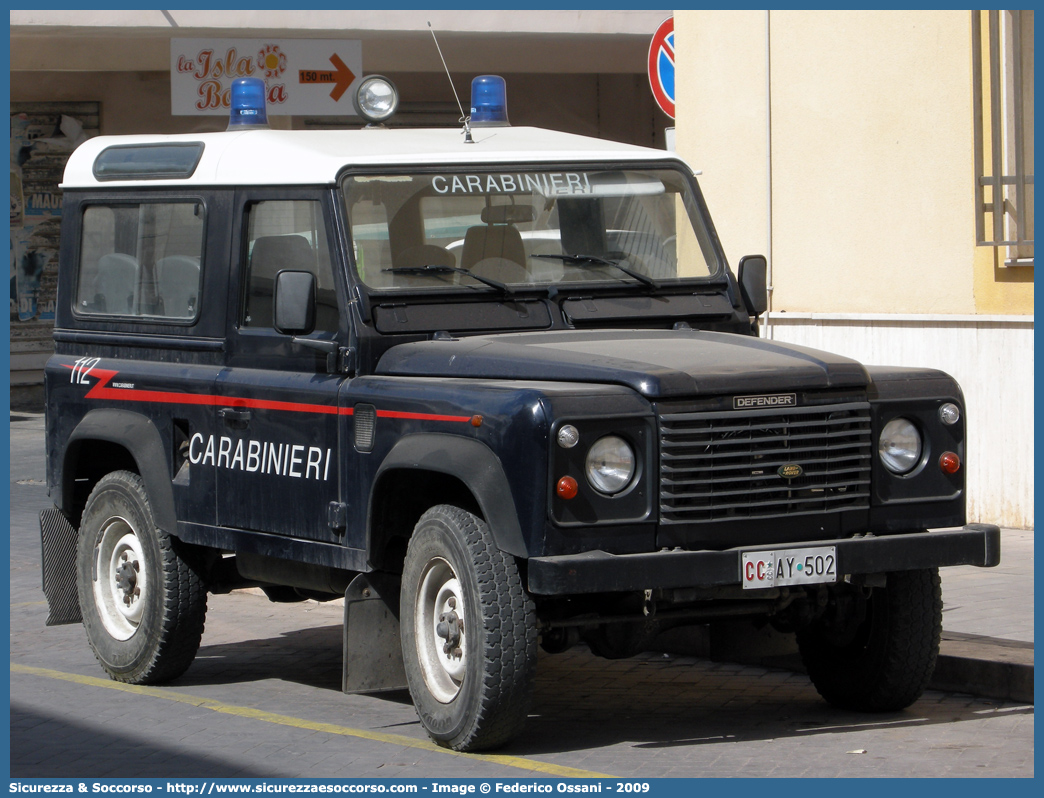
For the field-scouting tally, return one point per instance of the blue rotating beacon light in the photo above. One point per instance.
(489, 102)
(247, 105)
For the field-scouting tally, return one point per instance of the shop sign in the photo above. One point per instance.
(302, 76)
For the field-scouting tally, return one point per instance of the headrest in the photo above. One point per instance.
(508, 214)
(275, 253)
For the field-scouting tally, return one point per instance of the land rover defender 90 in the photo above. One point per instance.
(496, 391)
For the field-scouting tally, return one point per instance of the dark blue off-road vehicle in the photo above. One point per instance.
(496, 391)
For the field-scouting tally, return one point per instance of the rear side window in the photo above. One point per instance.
(141, 260)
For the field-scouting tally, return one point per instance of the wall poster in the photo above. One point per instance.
(42, 137)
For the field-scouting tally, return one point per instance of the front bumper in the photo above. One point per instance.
(599, 572)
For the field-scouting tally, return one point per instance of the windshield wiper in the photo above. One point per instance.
(596, 260)
(443, 269)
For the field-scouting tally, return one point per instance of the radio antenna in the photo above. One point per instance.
(464, 118)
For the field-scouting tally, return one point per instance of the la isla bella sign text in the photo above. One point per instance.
(297, 74)
(214, 72)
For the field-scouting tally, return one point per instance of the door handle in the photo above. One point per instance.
(234, 417)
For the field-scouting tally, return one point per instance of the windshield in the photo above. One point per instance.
(506, 230)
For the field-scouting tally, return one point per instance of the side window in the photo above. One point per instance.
(141, 260)
(281, 235)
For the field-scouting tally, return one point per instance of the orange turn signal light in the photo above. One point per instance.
(949, 463)
(567, 488)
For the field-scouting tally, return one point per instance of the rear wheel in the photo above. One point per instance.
(142, 600)
(469, 639)
(884, 661)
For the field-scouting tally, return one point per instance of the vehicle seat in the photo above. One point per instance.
(492, 241)
(416, 257)
(116, 284)
(269, 256)
(177, 282)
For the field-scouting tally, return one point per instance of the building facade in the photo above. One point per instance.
(883, 161)
(110, 72)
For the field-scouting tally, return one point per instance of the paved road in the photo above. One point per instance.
(263, 700)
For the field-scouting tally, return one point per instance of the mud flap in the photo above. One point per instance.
(58, 544)
(372, 651)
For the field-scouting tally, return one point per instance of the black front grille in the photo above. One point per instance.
(727, 466)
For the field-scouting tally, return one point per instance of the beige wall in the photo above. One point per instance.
(999, 289)
(870, 220)
(871, 156)
(721, 120)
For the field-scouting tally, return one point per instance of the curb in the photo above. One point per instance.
(986, 666)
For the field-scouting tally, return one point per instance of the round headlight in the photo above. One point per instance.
(610, 465)
(899, 446)
(375, 99)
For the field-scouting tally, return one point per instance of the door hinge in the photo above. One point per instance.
(337, 515)
(347, 360)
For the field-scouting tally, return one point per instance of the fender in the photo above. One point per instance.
(139, 436)
(474, 464)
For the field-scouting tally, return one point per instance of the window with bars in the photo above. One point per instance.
(1002, 64)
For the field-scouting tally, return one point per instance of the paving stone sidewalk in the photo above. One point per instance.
(993, 602)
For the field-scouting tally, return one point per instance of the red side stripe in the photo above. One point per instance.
(102, 391)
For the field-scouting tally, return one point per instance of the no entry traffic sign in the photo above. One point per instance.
(661, 66)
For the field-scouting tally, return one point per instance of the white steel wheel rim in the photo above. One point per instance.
(440, 597)
(120, 582)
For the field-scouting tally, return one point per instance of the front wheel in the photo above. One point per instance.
(883, 661)
(142, 600)
(469, 639)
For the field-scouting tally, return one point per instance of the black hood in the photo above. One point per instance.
(657, 364)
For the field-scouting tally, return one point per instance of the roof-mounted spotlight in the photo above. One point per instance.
(247, 109)
(375, 99)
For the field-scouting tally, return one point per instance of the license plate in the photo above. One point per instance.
(761, 569)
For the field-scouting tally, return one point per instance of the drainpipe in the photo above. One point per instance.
(768, 172)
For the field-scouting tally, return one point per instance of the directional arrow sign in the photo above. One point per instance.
(341, 76)
(298, 78)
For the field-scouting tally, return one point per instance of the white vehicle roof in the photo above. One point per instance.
(305, 157)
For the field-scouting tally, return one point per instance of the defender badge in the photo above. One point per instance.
(764, 400)
(790, 471)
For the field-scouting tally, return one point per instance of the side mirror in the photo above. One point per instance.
(294, 302)
(753, 273)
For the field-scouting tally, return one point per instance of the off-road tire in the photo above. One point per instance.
(480, 699)
(887, 663)
(157, 641)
